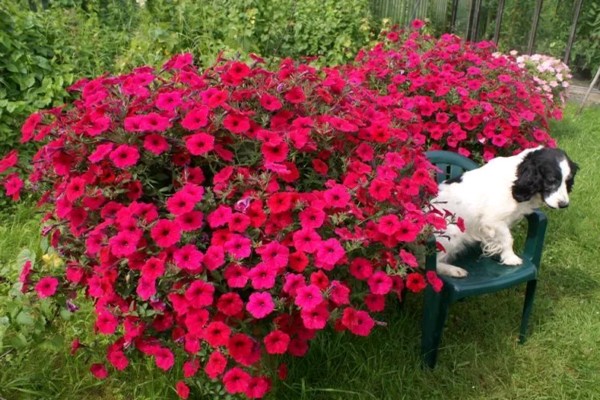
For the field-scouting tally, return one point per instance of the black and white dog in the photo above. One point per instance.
(492, 198)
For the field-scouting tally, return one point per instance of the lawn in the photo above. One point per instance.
(480, 357)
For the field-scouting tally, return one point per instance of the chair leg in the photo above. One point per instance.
(435, 312)
(527, 307)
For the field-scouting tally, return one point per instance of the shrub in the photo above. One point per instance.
(457, 95)
(224, 217)
(550, 75)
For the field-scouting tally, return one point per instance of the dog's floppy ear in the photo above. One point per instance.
(529, 181)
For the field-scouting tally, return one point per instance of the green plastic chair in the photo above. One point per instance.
(486, 275)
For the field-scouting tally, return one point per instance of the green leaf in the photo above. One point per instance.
(19, 341)
(24, 318)
(24, 256)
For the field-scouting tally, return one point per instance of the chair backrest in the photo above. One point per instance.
(450, 165)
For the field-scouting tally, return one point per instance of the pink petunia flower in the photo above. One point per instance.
(236, 123)
(274, 255)
(262, 276)
(260, 304)
(180, 203)
(308, 297)
(168, 101)
(165, 233)
(189, 258)
(190, 221)
(101, 152)
(337, 196)
(199, 143)
(330, 251)
(124, 156)
(156, 144)
(200, 293)
(239, 246)
(307, 240)
(219, 217)
(46, 287)
(380, 283)
(154, 122)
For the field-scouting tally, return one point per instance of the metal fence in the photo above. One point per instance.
(471, 18)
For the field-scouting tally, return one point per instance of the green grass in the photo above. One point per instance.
(480, 356)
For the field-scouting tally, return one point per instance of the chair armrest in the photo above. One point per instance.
(536, 232)
(431, 254)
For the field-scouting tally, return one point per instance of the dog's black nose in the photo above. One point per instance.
(563, 204)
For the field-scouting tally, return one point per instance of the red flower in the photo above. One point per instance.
(270, 103)
(164, 358)
(277, 342)
(183, 391)
(9, 160)
(315, 318)
(258, 387)
(190, 368)
(240, 346)
(13, 185)
(217, 333)
(435, 282)
(415, 282)
(295, 95)
(216, 365)
(236, 380)
(337, 196)
(106, 323)
(230, 304)
(99, 371)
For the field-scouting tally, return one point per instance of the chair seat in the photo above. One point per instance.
(486, 275)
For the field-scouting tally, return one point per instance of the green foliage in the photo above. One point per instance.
(32, 71)
(587, 44)
(331, 29)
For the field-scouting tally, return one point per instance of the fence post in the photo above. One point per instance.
(473, 20)
(499, 13)
(453, 17)
(534, 25)
(572, 31)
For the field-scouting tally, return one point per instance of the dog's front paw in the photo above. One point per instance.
(512, 259)
(451, 270)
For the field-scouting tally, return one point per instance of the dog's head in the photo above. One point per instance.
(547, 172)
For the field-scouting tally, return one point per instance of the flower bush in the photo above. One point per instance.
(550, 74)
(224, 217)
(457, 95)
